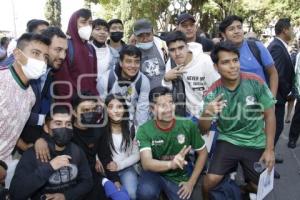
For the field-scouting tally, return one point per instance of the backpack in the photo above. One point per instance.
(112, 79)
(226, 189)
(71, 50)
(256, 53)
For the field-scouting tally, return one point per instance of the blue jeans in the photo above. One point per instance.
(129, 180)
(151, 184)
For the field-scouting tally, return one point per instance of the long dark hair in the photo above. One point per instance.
(127, 135)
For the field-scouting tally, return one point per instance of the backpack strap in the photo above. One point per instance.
(111, 80)
(138, 85)
(164, 50)
(172, 63)
(91, 48)
(70, 51)
(255, 51)
(178, 93)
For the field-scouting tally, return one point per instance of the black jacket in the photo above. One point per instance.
(32, 131)
(87, 140)
(33, 179)
(93, 142)
(285, 69)
(207, 44)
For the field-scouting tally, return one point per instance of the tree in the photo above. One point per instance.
(53, 12)
(208, 13)
(131, 10)
(168, 17)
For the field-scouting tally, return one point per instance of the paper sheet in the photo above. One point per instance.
(209, 138)
(265, 184)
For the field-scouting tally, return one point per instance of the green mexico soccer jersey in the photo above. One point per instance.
(241, 121)
(165, 144)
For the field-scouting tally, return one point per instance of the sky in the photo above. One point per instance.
(29, 9)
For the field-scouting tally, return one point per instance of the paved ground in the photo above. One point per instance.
(288, 186)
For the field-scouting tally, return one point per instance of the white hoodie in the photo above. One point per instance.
(198, 77)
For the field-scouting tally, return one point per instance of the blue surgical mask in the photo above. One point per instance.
(144, 45)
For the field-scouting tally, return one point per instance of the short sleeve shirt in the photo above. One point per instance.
(241, 121)
(153, 66)
(16, 102)
(250, 64)
(165, 144)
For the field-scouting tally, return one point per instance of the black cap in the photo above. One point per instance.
(142, 26)
(184, 17)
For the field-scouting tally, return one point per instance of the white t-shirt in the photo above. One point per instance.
(198, 77)
(122, 158)
(103, 59)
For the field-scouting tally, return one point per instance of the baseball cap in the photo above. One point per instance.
(142, 26)
(184, 17)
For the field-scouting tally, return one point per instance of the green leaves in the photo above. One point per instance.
(53, 12)
(208, 13)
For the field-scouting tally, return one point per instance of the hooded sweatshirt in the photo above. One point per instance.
(33, 178)
(199, 75)
(138, 104)
(93, 142)
(83, 63)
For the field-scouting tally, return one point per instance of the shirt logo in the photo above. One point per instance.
(129, 90)
(181, 138)
(157, 142)
(64, 175)
(196, 83)
(151, 67)
(250, 100)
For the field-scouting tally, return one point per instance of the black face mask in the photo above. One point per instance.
(62, 136)
(116, 36)
(90, 118)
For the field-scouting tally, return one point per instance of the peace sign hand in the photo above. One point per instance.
(179, 159)
(174, 73)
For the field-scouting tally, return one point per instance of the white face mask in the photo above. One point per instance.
(34, 68)
(85, 32)
(145, 45)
